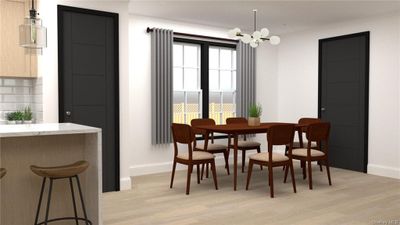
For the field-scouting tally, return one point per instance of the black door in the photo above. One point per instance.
(88, 79)
(343, 98)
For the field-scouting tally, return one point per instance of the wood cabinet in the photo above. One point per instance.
(14, 62)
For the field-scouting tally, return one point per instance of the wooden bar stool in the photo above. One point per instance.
(3, 172)
(61, 172)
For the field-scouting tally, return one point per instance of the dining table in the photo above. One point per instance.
(234, 130)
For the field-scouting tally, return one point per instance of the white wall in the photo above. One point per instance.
(298, 84)
(48, 67)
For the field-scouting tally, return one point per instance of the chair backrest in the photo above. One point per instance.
(281, 134)
(307, 121)
(318, 131)
(236, 120)
(183, 134)
(201, 122)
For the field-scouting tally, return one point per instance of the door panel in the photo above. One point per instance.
(343, 98)
(88, 55)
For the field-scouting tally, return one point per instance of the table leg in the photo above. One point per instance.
(235, 156)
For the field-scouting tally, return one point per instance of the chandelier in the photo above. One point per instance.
(32, 35)
(257, 37)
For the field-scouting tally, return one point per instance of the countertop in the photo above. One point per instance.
(21, 130)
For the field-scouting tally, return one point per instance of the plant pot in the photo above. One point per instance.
(18, 121)
(11, 122)
(254, 121)
(28, 121)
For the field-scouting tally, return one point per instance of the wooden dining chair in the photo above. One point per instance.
(304, 122)
(183, 134)
(243, 145)
(277, 135)
(319, 133)
(211, 147)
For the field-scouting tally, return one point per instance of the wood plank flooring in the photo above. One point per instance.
(354, 198)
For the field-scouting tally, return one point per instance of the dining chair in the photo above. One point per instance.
(281, 134)
(319, 133)
(211, 147)
(304, 122)
(183, 134)
(243, 145)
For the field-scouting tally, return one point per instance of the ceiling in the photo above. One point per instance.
(278, 16)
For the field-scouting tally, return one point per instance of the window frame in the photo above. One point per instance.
(204, 67)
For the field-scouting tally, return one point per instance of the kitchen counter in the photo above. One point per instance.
(51, 144)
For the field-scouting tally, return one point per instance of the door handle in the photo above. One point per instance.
(323, 109)
(68, 113)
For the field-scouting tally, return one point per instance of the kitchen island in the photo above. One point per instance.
(47, 145)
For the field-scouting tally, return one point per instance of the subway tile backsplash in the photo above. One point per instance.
(17, 93)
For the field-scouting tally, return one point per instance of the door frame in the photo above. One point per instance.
(365, 34)
(115, 17)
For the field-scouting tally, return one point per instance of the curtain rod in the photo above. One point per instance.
(148, 30)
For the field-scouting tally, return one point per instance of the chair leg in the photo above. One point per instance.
(271, 180)
(226, 156)
(173, 174)
(259, 151)
(320, 166)
(309, 175)
(207, 170)
(249, 170)
(214, 174)
(198, 173)
(82, 202)
(286, 173)
(202, 171)
(73, 200)
(48, 202)
(189, 173)
(328, 172)
(292, 174)
(303, 165)
(243, 159)
(40, 200)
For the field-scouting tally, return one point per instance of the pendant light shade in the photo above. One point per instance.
(32, 34)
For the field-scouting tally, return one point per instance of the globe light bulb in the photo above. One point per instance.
(246, 38)
(274, 40)
(253, 43)
(257, 35)
(264, 32)
(232, 33)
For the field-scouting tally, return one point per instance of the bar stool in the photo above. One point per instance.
(61, 172)
(3, 172)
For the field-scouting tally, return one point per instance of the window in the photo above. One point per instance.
(187, 92)
(204, 81)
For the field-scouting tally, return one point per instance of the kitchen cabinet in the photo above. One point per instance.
(14, 61)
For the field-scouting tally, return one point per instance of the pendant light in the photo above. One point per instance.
(257, 37)
(32, 34)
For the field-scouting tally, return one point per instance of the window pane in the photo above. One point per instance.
(228, 108)
(233, 80)
(226, 80)
(178, 78)
(192, 107)
(214, 107)
(190, 79)
(191, 56)
(234, 60)
(213, 58)
(178, 108)
(178, 55)
(213, 80)
(225, 59)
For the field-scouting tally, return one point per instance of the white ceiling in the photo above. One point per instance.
(278, 16)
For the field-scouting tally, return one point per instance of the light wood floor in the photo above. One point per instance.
(354, 198)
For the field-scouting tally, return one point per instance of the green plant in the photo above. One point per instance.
(255, 110)
(11, 116)
(27, 113)
(19, 115)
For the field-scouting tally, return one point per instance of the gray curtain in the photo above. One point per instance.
(245, 78)
(161, 85)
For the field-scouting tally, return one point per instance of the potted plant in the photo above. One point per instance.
(255, 111)
(11, 118)
(27, 115)
(19, 117)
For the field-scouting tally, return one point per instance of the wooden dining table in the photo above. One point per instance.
(234, 130)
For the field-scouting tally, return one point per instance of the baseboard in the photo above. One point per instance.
(384, 171)
(125, 183)
(153, 168)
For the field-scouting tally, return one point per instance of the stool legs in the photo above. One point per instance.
(40, 201)
(83, 204)
(48, 202)
(73, 200)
